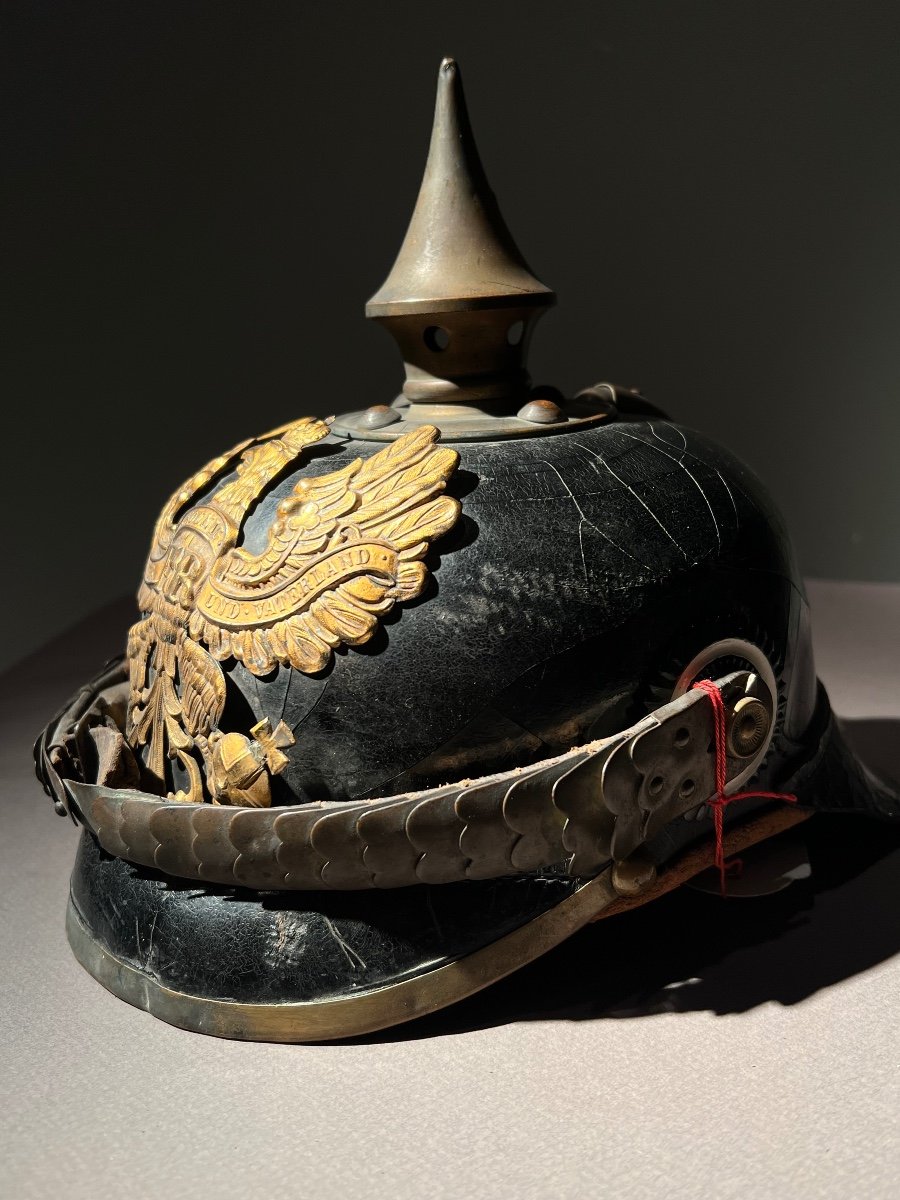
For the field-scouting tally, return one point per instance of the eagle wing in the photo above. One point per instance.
(202, 688)
(342, 550)
(167, 522)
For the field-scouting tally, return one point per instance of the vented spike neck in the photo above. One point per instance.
(460, 300)
(461, 303)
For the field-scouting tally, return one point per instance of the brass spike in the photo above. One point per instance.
(460, 299)
(458, 252)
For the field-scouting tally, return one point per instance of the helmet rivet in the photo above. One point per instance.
(749, 727)
(633, 876)
(379, 415)
(541, 412)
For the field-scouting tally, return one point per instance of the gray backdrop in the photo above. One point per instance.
(201, 197)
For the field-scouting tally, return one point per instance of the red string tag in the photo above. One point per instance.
(718, 802)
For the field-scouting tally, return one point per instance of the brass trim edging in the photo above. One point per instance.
(381, 1008)
(324, 1020)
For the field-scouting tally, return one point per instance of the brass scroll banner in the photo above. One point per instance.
(237, 610)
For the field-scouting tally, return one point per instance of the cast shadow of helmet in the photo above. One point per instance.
(691, 951)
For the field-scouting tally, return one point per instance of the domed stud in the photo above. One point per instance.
(379, 415)
(748, 729)
(633, 876)
(541, 412)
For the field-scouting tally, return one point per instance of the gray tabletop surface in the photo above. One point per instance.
(692, 1048)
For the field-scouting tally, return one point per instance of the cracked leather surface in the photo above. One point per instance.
(581, 564)
(254, 947)
(585, 571)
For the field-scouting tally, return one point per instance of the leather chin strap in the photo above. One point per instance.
(570, 814)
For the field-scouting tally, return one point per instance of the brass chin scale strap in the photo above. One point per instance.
(573, 813)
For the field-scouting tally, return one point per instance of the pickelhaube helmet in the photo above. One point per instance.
(418, 691)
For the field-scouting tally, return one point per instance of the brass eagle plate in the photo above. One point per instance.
(343, 549)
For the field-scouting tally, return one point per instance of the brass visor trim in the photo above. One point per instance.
(381, 1008)
(368, 1012)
